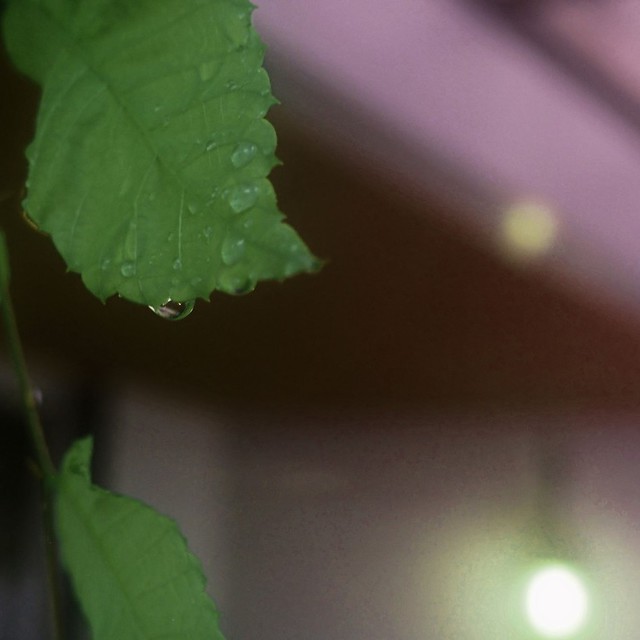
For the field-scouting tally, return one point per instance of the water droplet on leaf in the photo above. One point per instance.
(235, 284)
(128, 269)
(243, 154)
(233, 249)
(105, 264)
(177, 264)
(243, 197)
(174, 310)
(216, 139)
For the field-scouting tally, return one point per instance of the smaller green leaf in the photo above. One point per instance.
(130, 566)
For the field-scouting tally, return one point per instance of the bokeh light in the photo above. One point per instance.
(528, 230)
(556, 601)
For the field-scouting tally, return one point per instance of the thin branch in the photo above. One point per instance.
(29, 404)
(46, 469)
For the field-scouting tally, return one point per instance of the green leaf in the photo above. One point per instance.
(130, 566)
(150, 161)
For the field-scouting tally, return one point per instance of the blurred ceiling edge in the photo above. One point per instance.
(487, 121)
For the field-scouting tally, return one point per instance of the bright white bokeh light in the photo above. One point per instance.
(556, 602)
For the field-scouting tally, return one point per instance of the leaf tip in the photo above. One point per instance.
(77, 461)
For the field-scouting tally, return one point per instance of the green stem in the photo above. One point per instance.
(46, 468)
(29, 405)
(53, 572)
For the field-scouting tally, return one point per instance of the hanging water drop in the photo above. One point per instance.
(243, 197)
(128, 269)
(174, 310)
(232, 250)
(235, 284)
(243, 154)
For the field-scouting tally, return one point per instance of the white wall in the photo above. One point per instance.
(385, 527)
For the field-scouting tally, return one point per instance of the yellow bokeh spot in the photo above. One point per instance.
(556, 601)
(529, 229)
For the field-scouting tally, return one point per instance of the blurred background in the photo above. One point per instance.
(379, 451)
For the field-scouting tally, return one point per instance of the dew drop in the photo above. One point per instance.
(291, 269)
(174, 310)
(231, 85)
(243, 197)
(243, 154)
(207, 232)
(216, 140)
(128, 269)
(105, 264)
(236, 285)
(233, 249)
(177, 264)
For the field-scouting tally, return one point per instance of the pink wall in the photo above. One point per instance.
(401, 83)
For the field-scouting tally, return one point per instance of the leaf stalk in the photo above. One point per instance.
(46, 469)
(26, 389)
